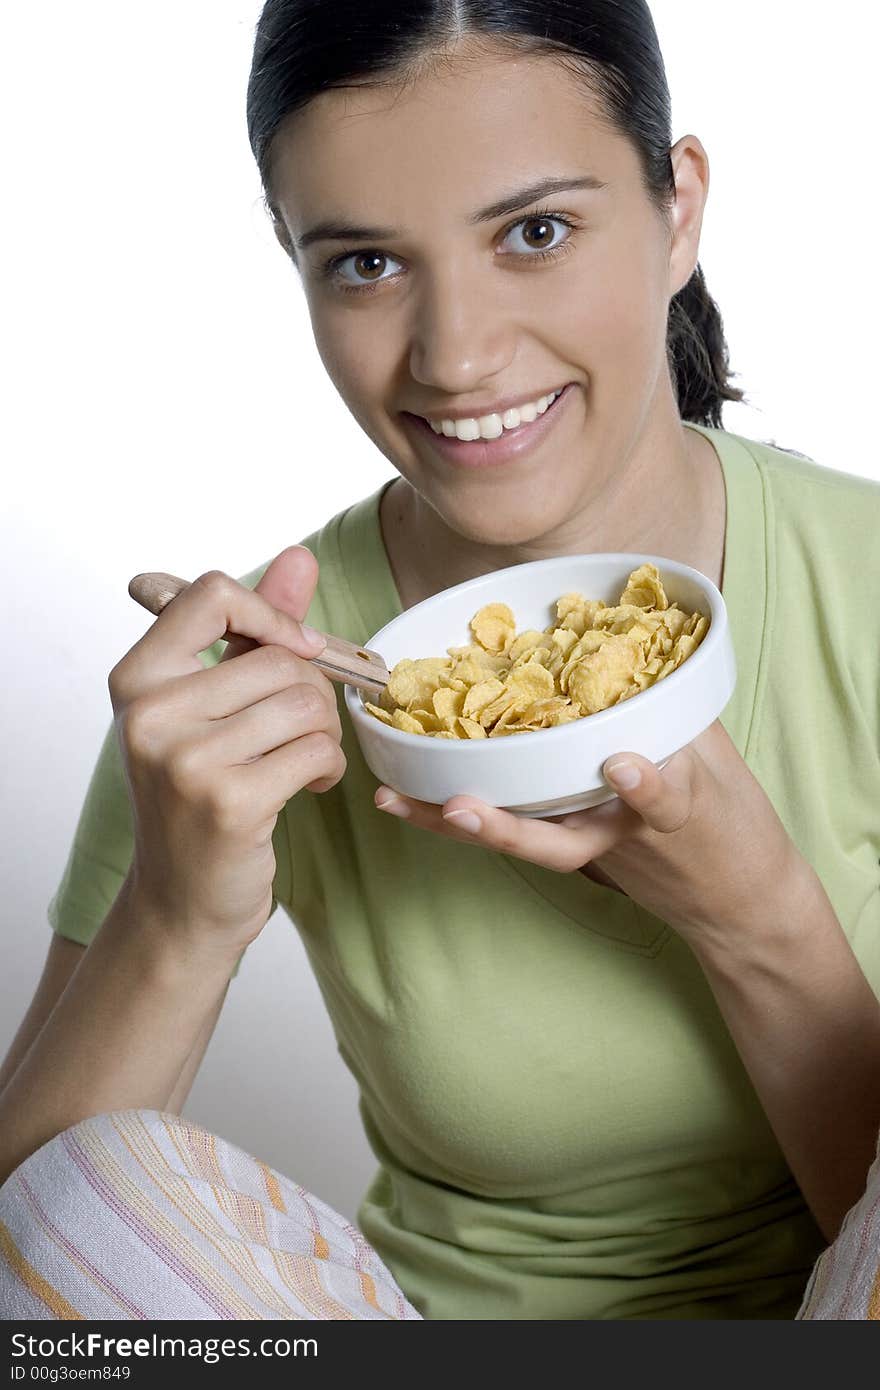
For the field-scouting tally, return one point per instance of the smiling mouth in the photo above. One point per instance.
(493, 423)
(510, 444)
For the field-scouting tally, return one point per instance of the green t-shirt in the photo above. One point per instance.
(563, 1126)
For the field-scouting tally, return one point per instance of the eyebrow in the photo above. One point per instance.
(343, 231)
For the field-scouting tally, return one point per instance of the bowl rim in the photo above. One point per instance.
(354, 697)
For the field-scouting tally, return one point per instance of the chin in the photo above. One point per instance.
(503, 526)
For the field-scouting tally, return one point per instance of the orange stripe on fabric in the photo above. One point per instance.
(297, 1271)
(369, 1291)
(273, 1187)
(288, 1273)
(76, 1259)
(54, 1301)
(247, 1214)
(138, 1201)
(321, 1247)
(239, 1257)
(873, 1313)
(280, 1258)
(309, 1288)
(219, 1179)
(196, 1147)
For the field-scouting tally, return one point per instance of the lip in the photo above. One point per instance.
(498, 408)
(485, 453)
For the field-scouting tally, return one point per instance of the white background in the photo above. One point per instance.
(165, 407)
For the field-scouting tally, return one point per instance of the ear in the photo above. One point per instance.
(690, 165)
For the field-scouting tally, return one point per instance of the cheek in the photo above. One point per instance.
(609, 312)
(358, 359)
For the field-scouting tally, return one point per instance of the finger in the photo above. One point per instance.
(619, 817)
(555, 846)
(223, 690)
(314, 762)
(212, 605)
(289, 583)
(663, 799)
(290, 714)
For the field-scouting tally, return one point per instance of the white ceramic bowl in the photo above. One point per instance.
(551, 771)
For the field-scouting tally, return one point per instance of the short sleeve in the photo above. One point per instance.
(100, 854)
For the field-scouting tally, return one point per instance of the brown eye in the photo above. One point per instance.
(538, 232)
(359, 270)
(369, 264)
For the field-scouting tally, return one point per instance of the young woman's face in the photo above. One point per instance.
(428, 311)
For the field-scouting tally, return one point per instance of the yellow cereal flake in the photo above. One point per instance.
(644, 588)
(525, 644)
(428, 720)
(530, 682)
(494, 627)
(498, 710)
(564, 638)
(407, 722)
(447, 706)
(469, 671)
(471, 728)
(505, 718)
(411, 684)
(576, 613)
(592, 656)
(674, 620)
(598, 680)
(379, 713)
(480, 695)
(543, 714)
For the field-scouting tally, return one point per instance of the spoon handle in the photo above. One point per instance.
(342, 661)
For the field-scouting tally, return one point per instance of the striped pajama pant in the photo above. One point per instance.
(143, 1215)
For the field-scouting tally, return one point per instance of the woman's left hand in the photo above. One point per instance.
(698, 844)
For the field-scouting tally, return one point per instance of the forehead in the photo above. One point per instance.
(440, 144)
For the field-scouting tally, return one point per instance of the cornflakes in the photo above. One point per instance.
(593, 655)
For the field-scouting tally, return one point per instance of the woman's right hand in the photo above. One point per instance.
(211, 756)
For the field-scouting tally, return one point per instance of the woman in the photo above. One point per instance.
(623, 1064)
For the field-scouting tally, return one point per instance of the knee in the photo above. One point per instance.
(63, 1159)
(54, 1188)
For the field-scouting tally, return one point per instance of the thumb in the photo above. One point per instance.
(288, 583)
(663, 799)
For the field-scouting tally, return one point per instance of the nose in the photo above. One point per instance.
(461, 334)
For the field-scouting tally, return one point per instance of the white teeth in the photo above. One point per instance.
(493, 426)
(467, 429)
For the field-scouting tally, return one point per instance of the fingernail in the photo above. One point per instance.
(313, 637)
(464, 820)
(394, 805)
(623, 774)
